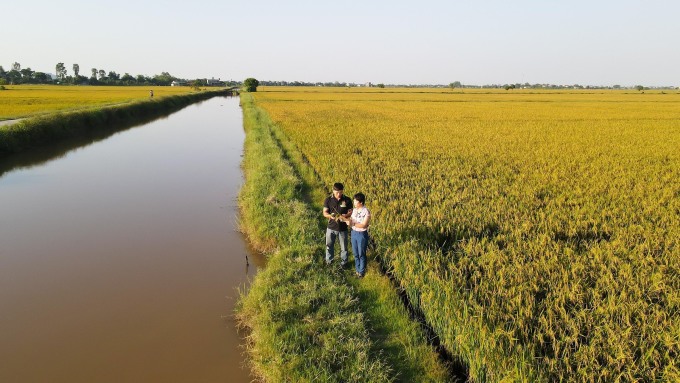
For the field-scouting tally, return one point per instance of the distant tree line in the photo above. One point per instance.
(305, 83)
(457, 84)
(17, 75)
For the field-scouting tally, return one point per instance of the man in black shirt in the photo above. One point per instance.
(336, 208)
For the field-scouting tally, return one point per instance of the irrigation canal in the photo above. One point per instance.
(120, 257)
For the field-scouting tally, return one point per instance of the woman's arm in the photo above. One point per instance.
(363, 225)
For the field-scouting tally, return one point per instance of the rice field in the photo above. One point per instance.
(537, 231)
(19, 101)
(307, 323)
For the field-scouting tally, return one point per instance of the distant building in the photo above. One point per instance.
(178, 83)
(213, 82)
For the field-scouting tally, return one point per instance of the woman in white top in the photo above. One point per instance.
(359, 221)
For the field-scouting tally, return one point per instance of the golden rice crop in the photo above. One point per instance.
(27, 100)
(537, 231)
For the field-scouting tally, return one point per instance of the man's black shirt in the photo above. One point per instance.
(341, 206)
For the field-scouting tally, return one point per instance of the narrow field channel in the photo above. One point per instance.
(120, 259)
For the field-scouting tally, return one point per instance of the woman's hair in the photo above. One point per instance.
(360, 197)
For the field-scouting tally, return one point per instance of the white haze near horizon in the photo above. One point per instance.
(625, 42)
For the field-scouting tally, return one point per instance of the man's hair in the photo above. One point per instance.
(338, 186)
(360, 197)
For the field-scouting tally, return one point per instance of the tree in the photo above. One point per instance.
(41, 77)
(455, 84)
(113, 76)
(80, 80)
(94, 73)
(26, 75)
(127, 78)
(14, 76)
(102, 74)
(16, 66)
(76, 70)
(196, 84)
(164, 78)
(61, 71)
(380, 85)
(639, 87)
(251, 84)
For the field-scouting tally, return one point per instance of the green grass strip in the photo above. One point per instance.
(308, 322)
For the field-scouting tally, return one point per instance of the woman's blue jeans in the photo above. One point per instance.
(359, 245)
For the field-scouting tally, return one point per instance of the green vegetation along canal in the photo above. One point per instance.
(120, 258)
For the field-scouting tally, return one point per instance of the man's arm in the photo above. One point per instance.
(325, 211)
(349, 211)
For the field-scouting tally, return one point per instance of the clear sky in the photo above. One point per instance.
(587, 42)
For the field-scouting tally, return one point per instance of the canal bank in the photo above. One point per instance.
(121, 259)
(41, 130)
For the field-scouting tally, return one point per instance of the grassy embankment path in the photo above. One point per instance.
(308, 322)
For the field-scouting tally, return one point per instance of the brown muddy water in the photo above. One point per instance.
(120, 259)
